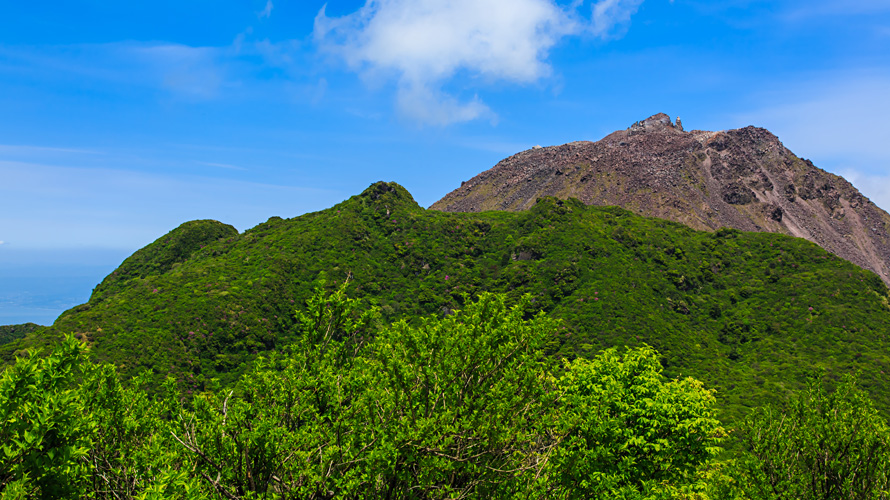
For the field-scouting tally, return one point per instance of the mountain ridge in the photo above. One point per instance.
(749, 314)
(741, 178)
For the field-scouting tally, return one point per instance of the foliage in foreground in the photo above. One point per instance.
(628, 430)
(463, 406)
(459, 407)
(822, 446)
(70, 429)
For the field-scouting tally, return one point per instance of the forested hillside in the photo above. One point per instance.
(749, 314)
(8, 333)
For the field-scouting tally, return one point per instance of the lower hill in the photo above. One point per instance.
(750, 314)
(164, 254)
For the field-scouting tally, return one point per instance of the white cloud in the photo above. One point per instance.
(609, 15)
(424, 44)
(277, 54)
(419, 102)
(875, 187)
(267, 10)
(2, 242)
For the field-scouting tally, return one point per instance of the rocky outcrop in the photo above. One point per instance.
(743, 179)
(660, 122)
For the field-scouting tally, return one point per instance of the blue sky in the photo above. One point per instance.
(121, 120)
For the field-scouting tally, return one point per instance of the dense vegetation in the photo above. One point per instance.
(823, 445)
(748, 314)
(8, 333)
(235, 366)
(164, 254)
(465, 406)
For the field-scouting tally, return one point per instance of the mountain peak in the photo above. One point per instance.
(656, 122)
(743, 179)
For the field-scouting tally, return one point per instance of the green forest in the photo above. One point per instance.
(379, 350)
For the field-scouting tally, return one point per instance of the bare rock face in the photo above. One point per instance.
(743, 179)
(660, 122)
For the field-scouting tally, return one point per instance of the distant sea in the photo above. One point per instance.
(36, 286)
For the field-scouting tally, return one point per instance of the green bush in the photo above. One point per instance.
(44, 435)
(630, 432)
(464, 404)
(823, 445)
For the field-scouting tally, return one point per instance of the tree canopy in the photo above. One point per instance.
(462, 406)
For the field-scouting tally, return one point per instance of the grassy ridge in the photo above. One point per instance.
(750, 314)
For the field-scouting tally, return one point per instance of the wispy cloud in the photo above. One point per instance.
(834, 8)
(220, 165)
(425, 104)
(841, 114)
(73, 207)
(282, 54)
(876, 187)
(611, 17)
(197, 72)
(181, 70)
(26, 149)
(839, 121)
(423, 44)
(267, 10)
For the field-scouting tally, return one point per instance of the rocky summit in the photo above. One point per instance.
(743, 179)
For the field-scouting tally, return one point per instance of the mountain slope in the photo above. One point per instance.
(10, 333)
(750, 314)
(743, 179)
(163, 254)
